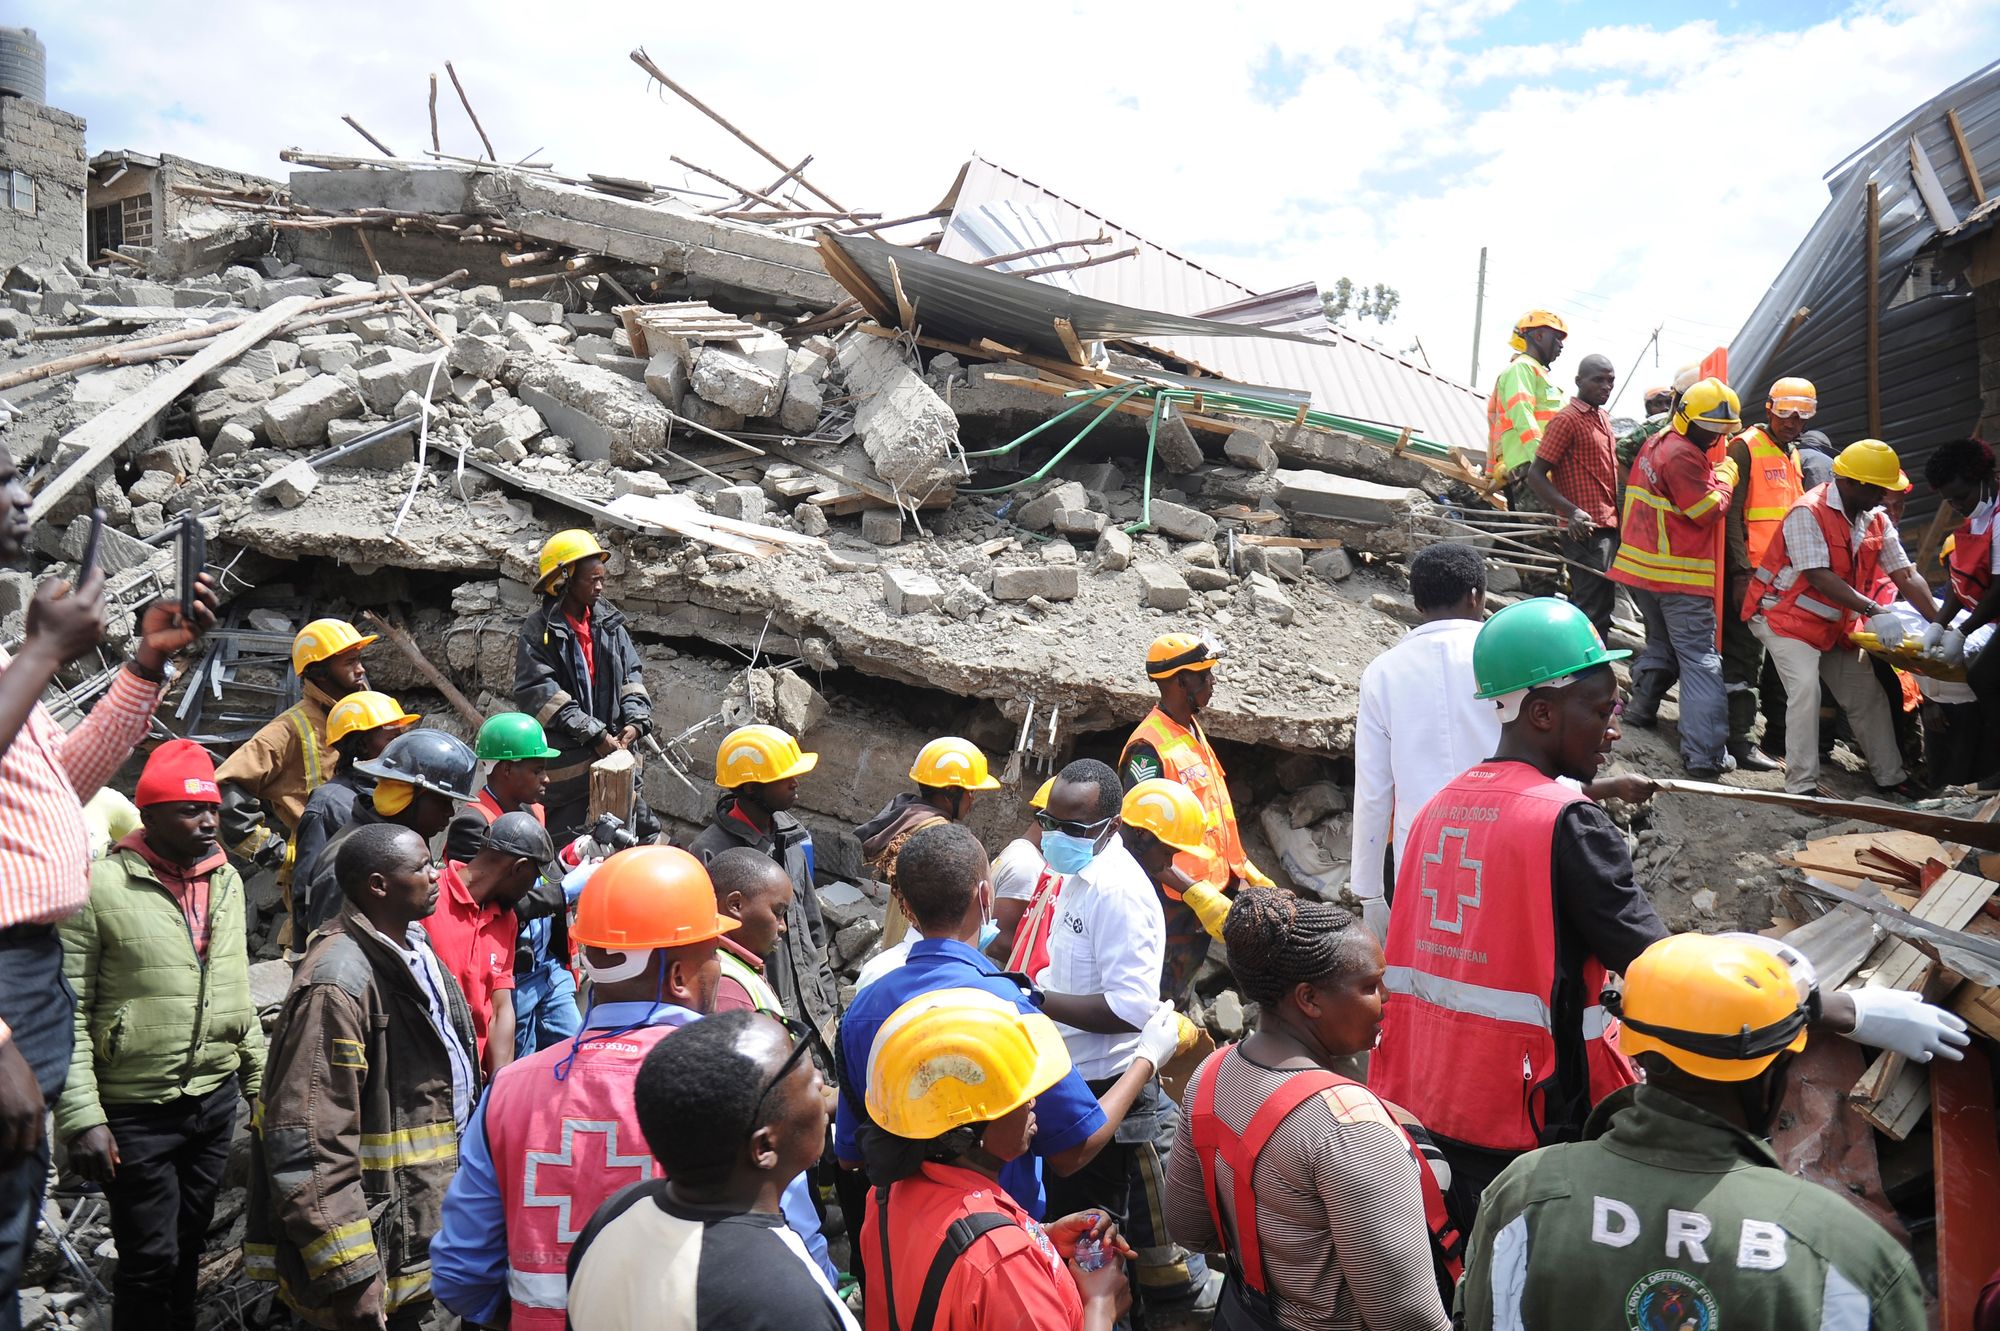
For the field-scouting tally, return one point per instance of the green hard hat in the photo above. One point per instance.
(1535, 642)
(512, 736)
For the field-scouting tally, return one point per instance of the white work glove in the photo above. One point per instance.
(1951, 647)
(1933, 636)
(1161, 1036)
(1900, 1021)
(1887, 626)
(1375, 914)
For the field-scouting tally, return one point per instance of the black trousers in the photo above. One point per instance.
(1982, 672)
(39, 1007)
(170, 1161)
(1592, 593)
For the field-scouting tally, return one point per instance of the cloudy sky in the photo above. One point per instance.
(1629, 165)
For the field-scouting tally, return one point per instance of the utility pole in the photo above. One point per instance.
(1478, 314)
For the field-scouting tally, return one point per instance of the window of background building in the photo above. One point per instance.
(20, 191)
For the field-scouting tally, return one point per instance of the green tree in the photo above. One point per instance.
(1351, 302)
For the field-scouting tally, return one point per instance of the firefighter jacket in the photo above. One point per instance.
(279, 766)
(577, 706)
(1667, 533)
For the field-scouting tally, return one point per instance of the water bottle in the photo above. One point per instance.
(1091, 1254)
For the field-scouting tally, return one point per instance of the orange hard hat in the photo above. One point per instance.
(647, 897)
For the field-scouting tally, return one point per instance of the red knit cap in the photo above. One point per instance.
(179, 772)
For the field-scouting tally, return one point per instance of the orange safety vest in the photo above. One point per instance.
(1662, 547)
(1970, 563)
(1185, 756)
(1770, 487)
(1798, 611)
(1468, 1033)
(1350, 1101)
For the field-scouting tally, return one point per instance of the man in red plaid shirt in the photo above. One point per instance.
(1575, 474)
(46, 773)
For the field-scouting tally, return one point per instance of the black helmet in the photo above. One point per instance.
(429, 760)
(521, 834)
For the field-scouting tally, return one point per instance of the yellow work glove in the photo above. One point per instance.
(1209, 905)
(1189, 1033)
(1725, 472)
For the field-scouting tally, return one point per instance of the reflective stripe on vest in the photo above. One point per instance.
(559, 1149)
(1662, 547)
(1185, 756)
(762, 996)
(1799, 612)
(1970, 563)
(1215, 1143)
(308, 748)
(1467, 1041)
(1030, 954)
(1771, 486)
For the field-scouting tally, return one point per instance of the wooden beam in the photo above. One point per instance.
(613, 782)
(1067, 332)
(470, 114)
(100, 436)
(1966, 1160)
(1965, 157)
(355, 125)
(402, 642)
(1871, 292)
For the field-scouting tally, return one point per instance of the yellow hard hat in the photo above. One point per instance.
(1719, 1008)
(1871, 462)
(366, 710)
(562, 550)
(1794, 397)
(1174, 652)
(955, 1057)
(1535, 319)
(952, 761)
(759, 754)
(1169, 811)
(1040, 799)
(324, 639)
(1710, 405)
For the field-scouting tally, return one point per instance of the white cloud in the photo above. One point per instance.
(1614, 175)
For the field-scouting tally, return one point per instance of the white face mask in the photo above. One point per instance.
(633, 965)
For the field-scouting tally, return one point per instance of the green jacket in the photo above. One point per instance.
(154, 1021)
(1667, 1217)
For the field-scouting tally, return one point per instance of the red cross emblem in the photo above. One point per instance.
(554, 1178)
(1444, 877)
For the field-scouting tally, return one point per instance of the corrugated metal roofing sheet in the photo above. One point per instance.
(1345, 374)
(1929, 367)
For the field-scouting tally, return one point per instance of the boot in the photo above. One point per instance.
(1643, 707)
(1742, 718)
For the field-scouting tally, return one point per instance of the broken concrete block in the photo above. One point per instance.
(272, 292)
(299, 418)
(535, 311)
(1181, 522)
(703, 412)
(606, 416)
(290, 485)
(1325, 495)
(232, 439)
(213, 409)
(907, 592)
(745, 503)
(1100, 477)
(1250, 450)
(1059, 552)
(747, 377)
(811, 519)
(148, 519)
(116, 552)
(804, 400)
(179, 458)
(153, 487)
(1080, 521)
(1270, 599)
(1284, 561)
(1039, 513)
(516, 422)
(667, 375)
(881, 526)
(98, 390)
(475, 355)
(645, 484)
(1177, 447)
(906, 429)
(1332, 565)
(1051, 582)
(400, 372)
(472, 392)
(1161, 588)
(1114, 550)
(1208, 579)
(1201, 554)
(329, 352)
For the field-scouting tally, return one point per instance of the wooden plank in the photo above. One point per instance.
(1980, 1006)
(612, 781)
(1902, 1106)
(1974, 833)
(1965, 156)
(1966, 1160)
(100, 436)
(1073, 348)
(1943, 216)
(403, 643)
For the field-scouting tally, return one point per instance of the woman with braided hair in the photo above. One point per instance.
(1329, 1214)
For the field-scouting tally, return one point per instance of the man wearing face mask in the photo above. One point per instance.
(947, 771)
(1102, 985)
(557, 1132)
(1673, 1211)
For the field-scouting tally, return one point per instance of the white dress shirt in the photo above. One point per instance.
(1418, 727)
(1109, 938)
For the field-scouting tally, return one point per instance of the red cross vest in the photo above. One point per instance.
(559, 1149)
(1468, 1040)
(1799, 612)
(1351, 1102)
(1970, 563)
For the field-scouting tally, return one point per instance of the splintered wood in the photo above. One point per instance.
(689, 320)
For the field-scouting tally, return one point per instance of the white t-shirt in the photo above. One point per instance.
(1016, 869)
(1110, 938)
(887, 960)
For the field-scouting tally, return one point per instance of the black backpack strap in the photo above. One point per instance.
(964, 1232)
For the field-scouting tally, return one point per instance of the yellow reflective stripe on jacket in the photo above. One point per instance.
(399, 1290)
(308, 747)
(411, 1146)
(260, 1261)
(1705, 505)
(1520, 407)
(338, 1247)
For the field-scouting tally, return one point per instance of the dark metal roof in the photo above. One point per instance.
(1929, 367)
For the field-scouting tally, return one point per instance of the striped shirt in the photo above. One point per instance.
(1805, 543)
(45, 776)
(1340, 1207)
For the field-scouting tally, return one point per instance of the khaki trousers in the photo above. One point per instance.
(1846, 673)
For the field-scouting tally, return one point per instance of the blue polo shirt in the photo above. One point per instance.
(1065, 1115)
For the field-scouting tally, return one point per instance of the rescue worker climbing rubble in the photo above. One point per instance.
(1523, 402)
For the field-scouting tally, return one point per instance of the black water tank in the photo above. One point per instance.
(23, 65)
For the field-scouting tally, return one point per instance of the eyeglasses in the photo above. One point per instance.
(1088, 831)
(804, 1037)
